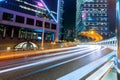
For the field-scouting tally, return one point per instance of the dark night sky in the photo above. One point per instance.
(69, 11)
(52, 4)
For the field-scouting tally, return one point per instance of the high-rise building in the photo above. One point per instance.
(26, 20)
(69, 20)
(61, 20)
(97, 15)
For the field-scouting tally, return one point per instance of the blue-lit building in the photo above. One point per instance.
(61, 34)
(22, 20)
(96, 14)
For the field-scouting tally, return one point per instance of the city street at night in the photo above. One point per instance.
(59, 39)
(54, 65)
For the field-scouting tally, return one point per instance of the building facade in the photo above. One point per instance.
(61, 20)
(96, 15)
(25, 20)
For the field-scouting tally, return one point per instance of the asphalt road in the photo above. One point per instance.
(51, 66)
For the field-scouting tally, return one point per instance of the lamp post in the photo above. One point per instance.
(43, 29)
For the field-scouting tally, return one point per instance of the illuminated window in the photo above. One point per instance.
(101, 0)
(89, 5)
(22, 34)
(29, 35)
(19, 19)
(7, 16)
(106, 28)
(105, 0)
(106, 34)
(105, 5)
(34, 36)
(84, 5)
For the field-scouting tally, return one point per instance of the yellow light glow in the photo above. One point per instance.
(92, 34)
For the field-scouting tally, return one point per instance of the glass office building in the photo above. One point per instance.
(25, 19)
(97, 15)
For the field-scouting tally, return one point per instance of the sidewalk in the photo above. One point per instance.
(12, 54)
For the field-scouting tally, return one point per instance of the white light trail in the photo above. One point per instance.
(48, 60)
(81, 72)
(100, 72)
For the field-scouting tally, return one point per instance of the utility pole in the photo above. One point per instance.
(43, 29)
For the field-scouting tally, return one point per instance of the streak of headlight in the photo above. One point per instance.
(81, 72)
(47, 61)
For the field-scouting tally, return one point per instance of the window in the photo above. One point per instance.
(7, 16)
(39, 23)
(22, 34)
(101, 0)
(30, 21)
(29, 35)
(47, 25)
(53, 26)
(34, 36)
(19, 19)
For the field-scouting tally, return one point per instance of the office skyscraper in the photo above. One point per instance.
(95, 14)
(23, 20)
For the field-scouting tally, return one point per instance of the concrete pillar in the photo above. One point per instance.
(4, 32)
(31, 33)
(58, 20)
(14, 16)
(1, 14)
(36, 35)
(26, 34)
(12, 33)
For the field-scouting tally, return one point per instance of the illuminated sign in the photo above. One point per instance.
(40, 5)
(84, 16)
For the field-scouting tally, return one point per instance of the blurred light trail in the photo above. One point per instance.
(33, 53)
(48, 60)
(81, 72)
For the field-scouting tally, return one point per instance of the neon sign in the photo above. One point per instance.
(40, 5)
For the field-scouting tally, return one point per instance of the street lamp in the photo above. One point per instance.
(43, 28)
